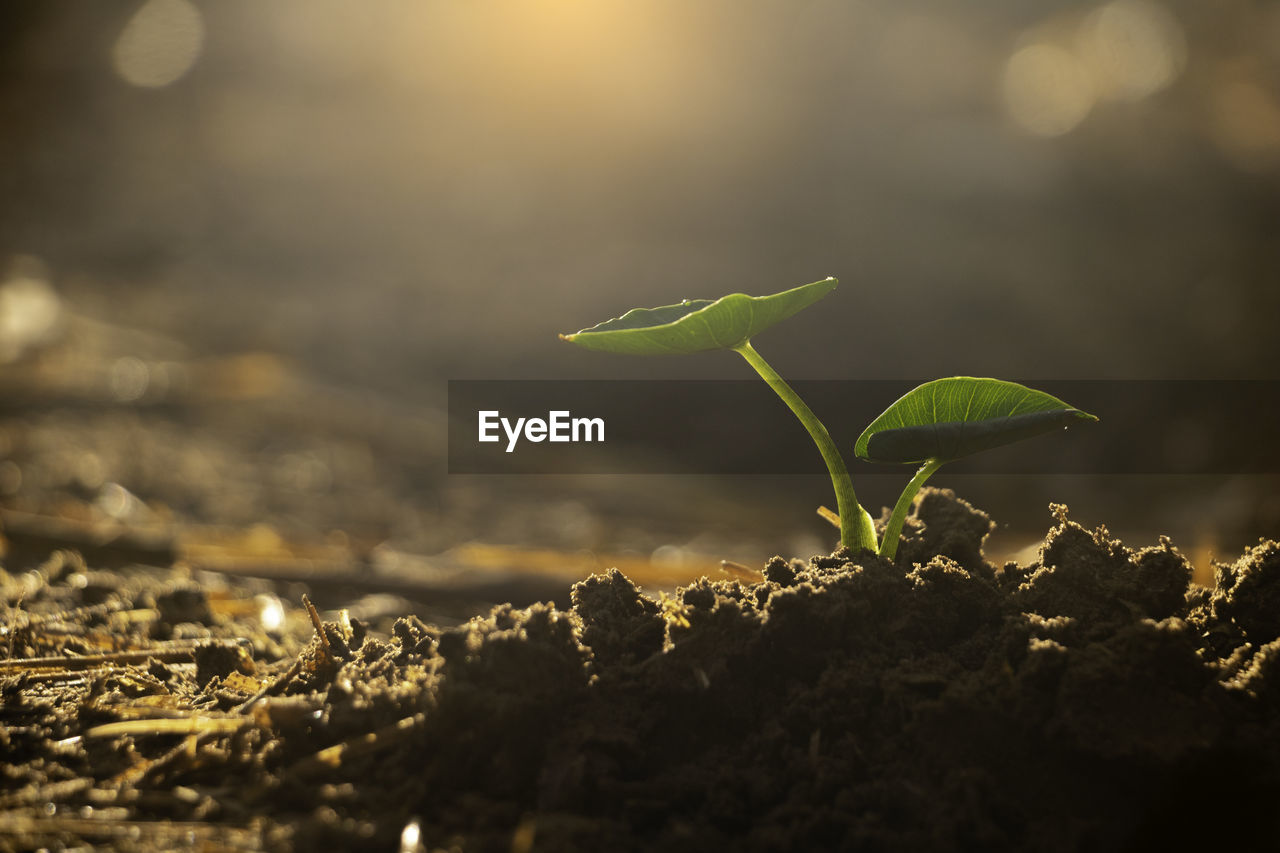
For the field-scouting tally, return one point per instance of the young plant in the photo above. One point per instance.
(933, 424)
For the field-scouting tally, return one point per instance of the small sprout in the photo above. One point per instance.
(933, 424)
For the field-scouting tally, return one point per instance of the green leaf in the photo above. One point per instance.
(950, 418)
(696, 325)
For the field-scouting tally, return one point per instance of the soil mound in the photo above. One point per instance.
(1091, 700)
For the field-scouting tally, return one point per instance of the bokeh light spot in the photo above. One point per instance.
(270, 612)
(1134, 48)
(1047, 90)
(159, 44)
(30, 310)
(129, 379)
(1245, 122)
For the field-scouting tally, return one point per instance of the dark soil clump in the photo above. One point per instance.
(1091, 700)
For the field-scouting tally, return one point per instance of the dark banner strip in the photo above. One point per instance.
(741, 427)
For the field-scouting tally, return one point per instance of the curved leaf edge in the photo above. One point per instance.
(627, 322)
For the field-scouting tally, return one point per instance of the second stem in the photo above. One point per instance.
(856, 529)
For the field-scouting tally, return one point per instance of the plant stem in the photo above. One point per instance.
(856, 531)
(889, 544)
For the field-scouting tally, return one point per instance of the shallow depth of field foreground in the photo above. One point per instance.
(1090, 699)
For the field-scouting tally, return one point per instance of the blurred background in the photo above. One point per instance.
(247, 244)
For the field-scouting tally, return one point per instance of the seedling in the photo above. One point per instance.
(933, 424)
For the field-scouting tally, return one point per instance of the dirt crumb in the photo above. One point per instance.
(1248, 593)
(941, 524)
(619, 624)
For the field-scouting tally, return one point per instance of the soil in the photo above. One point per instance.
(1094, 699)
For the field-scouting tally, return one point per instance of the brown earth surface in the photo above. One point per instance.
(1094, 699)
